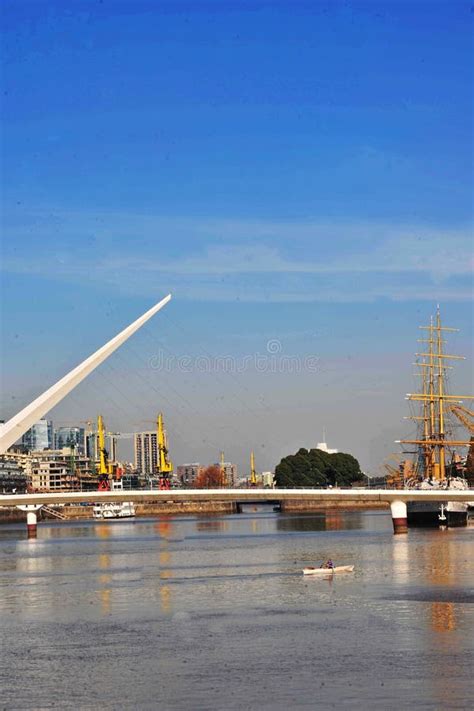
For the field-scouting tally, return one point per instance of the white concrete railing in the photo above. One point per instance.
(240, 495)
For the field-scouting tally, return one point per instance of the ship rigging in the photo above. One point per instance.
(434, 443)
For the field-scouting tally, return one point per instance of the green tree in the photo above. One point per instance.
(315, 468)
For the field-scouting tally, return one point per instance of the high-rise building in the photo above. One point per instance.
(111, 445)
(230, 472)
(38, 437)
(91, 440)
(188, 473)
(92, 449)
(70, 437)
(146, 452)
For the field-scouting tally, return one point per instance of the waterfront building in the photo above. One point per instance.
(12, 475)
(38, 437)
(146, 452)
(92, 446)
(268, 480)
(111, 445)
(91, 441)
(324, 448)
(323, 445)
(55, 470)
(188, 473)
(230, 473)
(70, 437)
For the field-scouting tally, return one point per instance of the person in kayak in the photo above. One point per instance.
(328, 564)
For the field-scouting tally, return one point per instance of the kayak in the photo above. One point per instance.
(328, 571)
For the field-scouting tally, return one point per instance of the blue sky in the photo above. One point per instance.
(296, 171)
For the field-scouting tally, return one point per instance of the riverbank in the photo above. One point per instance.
(295, 506)
(10, 514)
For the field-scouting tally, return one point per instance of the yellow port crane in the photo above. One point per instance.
(165, 465)
(465, 416)
(105, 468)
(393, 476)
(253, 473)
(223, 471)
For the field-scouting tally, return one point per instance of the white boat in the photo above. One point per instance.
(114, 509)
(447, 513)
(328, 571)
(125, 509)
(431, 469)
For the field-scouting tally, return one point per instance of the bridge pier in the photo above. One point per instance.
(399, 516)
(31, 518)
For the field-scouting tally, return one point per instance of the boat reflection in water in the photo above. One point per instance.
(428, 568)
(187, 612)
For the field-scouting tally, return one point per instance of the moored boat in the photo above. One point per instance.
(436, 464)
(114, 509)
(433, 514)
(125, 509)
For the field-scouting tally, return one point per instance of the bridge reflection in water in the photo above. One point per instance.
(331, 520)
(144, 595)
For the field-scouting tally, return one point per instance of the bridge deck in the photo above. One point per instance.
(240, 495)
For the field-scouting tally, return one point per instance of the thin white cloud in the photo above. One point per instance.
(252, 260)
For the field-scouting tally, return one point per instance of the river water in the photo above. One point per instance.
(214, 613)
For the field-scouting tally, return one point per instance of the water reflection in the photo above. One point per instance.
(301, 523)
(331, 520)
(164, 558)
(334, 520)
(441, 571)
(441, 566)
(401, 559)
(164, 528)
(33, 568)
(212, 525)
(233, 589)
(102, 530)
(105, 581)
(249, 508)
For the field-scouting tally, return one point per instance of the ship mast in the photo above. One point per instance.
(441, 447)
(427, 420)
(433, 398)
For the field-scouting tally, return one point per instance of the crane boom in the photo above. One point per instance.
(104, 483)
(465, 416)
(253, 473)
(165, 465)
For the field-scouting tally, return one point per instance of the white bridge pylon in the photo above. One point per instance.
(20, 423)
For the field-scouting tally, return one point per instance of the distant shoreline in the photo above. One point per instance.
(10, 514)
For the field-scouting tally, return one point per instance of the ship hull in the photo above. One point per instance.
(432, 515)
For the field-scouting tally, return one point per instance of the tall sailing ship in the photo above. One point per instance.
(437, 463)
